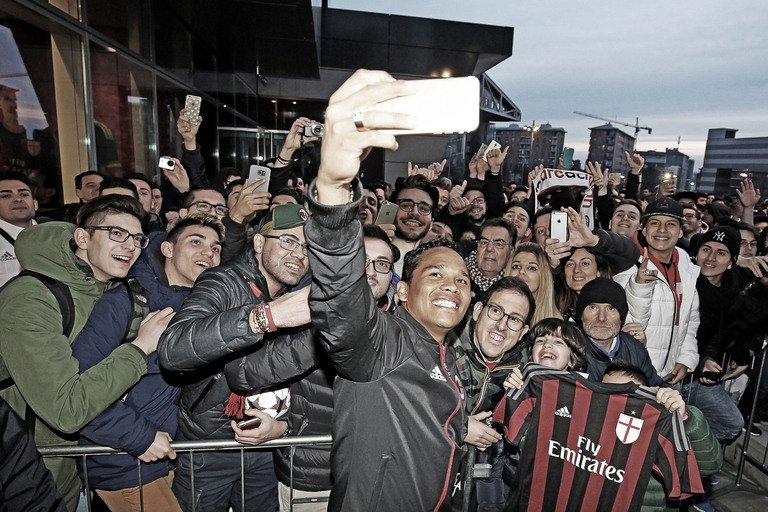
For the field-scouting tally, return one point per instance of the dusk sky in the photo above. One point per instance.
(682, 67)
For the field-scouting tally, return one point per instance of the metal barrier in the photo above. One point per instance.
(744, 456)
(189, 446)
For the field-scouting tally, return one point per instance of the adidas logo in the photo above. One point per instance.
(563, 411)
(7, 257)
(437, 374)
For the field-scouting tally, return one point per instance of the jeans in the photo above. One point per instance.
(713, 401)
(217, 481)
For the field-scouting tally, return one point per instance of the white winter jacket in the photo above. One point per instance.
(653, 305)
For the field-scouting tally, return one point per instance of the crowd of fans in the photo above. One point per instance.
(148, 313)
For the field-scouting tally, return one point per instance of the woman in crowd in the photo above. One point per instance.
(530, 265)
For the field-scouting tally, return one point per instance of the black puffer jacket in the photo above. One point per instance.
(25, 483)
(398, 420)
(210, 330)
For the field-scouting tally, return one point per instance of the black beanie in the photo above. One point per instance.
(726, 235)
(602, 291)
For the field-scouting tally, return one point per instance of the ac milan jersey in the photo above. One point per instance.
(592, 446)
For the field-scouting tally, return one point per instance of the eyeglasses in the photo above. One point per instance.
(407, 206)
(751, 245)
(288, 243)
(117, 234)
(478, 200)
(380, 266)
(690, 216)
(204, 207)
(497, 244)
(495, 313)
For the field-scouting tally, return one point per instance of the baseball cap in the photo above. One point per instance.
(665, 206)
(284, 216)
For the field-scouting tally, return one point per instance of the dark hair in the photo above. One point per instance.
(231, 186)
(763, 236)
(540, 212)
(287, 191)
(751, 228)
(196, 219)
(634, 373)
(566, 298)
(412, 258)
(419, 182)
(444, 183)
(500, 222)
(516, 285)
(476, 188)
(112, 182)
(519, 204)
(521, 188)
(139, 176)
(17, 176)
(95, 211)
(377, 233)
(630, 202)
(226, 172)
(188, 199)
(79, 178)
(569, 333)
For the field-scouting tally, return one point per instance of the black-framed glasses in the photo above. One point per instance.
(478, 200)
(204, 207)
(407, 205)
(497, 244)
(118, 234)
(380, 266)
(288, 243)
(495, 313)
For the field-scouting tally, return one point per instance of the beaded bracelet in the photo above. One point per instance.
(258, 320)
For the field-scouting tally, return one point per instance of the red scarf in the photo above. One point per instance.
(672, 275)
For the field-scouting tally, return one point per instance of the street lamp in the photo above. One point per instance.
(533, 128)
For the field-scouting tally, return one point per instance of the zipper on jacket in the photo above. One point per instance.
(203, 393)
(445, 427)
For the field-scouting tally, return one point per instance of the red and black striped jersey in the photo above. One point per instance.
(591, 446)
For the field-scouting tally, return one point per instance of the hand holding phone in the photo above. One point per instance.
(167, 163)
(259, 172)
(192, 108)
(249, 423)
(387, 213)
(558, 228)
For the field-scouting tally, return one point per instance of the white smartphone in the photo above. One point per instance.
(192, 107)
(614, 176)
(259, 172)
(493, 145)
(442, 105)
(167, 163)
(558, 226)
(387, 213)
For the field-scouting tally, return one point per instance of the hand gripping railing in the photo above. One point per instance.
(188, 446)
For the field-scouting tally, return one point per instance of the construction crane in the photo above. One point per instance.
(636, 125)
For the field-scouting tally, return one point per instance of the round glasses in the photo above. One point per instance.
(407, 206)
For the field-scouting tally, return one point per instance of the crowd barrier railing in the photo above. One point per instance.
(83, 452)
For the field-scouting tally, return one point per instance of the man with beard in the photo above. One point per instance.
(232, 308)
(416, 198)
(691, 225)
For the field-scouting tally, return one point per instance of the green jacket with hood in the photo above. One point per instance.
(35, 353)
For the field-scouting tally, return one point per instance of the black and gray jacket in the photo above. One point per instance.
(210, 330)
(398, 420)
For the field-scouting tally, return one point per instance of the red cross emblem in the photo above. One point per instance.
(628, 428)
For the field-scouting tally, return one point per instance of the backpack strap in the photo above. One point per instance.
(61, 292)
(139, 308)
